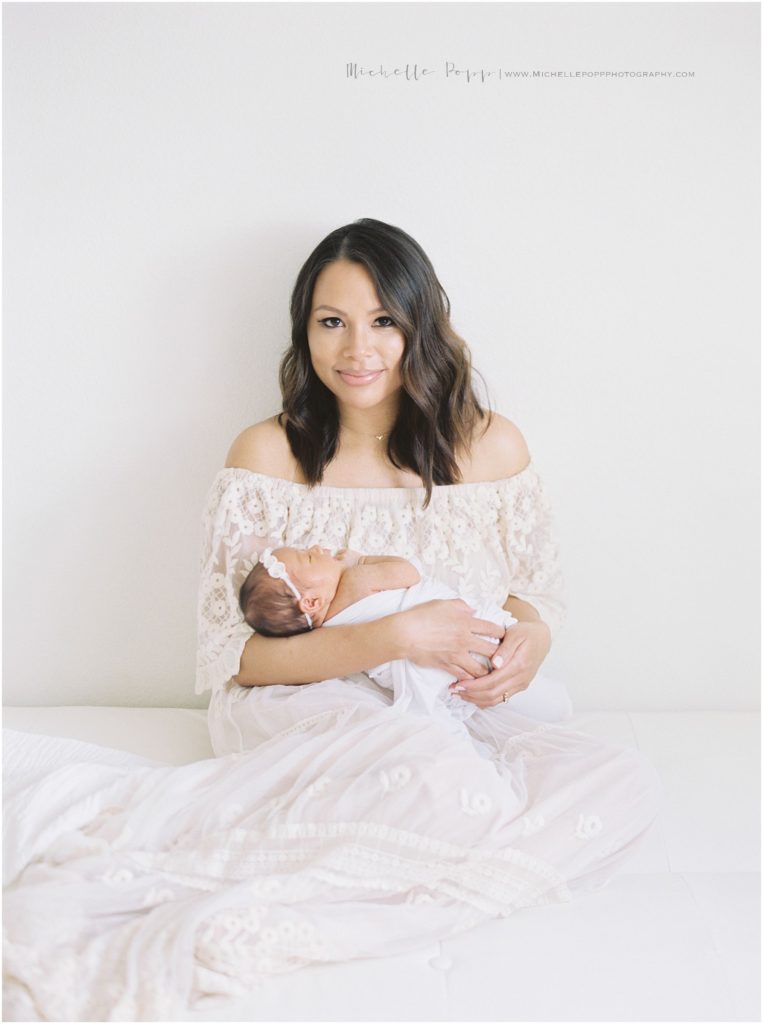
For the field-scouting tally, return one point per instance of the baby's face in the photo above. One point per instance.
(315, 568)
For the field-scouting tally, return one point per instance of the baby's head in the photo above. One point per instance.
(289, 590)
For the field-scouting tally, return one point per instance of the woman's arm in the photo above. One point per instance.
(527, 538)
(321, 654)
(438, 634)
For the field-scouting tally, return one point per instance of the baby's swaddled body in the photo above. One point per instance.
(425, 690)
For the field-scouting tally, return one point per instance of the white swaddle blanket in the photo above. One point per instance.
(425, 690)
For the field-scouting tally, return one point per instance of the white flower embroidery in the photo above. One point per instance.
(423, 897)
(116, 875)
(588, 826)
(531, 825)
(158, 895)
(396, 779)
(318, 785)
(475, 803)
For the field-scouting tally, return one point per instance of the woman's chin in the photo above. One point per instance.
(366, 399)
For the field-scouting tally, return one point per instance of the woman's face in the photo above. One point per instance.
(355, 346)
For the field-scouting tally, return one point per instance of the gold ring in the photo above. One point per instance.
(505, 696)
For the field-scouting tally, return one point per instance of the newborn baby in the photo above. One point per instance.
(329, 584)
(293, 590)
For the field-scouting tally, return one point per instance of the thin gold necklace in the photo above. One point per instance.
(379, 437)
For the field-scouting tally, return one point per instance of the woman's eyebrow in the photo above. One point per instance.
(379, 309)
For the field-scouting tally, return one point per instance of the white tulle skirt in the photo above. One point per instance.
(339, 827)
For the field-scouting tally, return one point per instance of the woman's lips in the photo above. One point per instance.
(358, 379)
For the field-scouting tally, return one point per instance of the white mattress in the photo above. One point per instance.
(675, 937)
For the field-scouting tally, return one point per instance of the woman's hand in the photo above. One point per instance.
(444, 633)
(523, 649)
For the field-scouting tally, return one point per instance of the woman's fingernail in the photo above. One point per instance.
(498, 661)
(459, 689)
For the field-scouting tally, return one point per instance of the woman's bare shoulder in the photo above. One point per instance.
(498, 451)
(263, 448)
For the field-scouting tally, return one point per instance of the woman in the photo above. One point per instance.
(334, 825)
(405, 461)
(383, 447)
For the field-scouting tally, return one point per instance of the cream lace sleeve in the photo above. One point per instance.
(532, 551)
(238, 524)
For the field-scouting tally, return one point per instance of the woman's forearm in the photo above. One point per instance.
(521, 610)
(321, 654)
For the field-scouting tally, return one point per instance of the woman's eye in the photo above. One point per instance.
(325, 321)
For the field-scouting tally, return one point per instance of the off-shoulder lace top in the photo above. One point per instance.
(485, 540)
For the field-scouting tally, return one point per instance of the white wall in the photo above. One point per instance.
(168, 167)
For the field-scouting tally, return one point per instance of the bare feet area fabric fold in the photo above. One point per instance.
(134, 889)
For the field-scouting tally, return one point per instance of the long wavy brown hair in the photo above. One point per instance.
(438, 409)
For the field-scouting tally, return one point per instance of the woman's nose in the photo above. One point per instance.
(356, 342)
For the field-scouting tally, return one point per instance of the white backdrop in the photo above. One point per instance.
(167, 169)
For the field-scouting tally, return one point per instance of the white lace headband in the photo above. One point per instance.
(277, 570)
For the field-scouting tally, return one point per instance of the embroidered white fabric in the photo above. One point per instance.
(334, 824)
(133, 890)
(485, 540)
